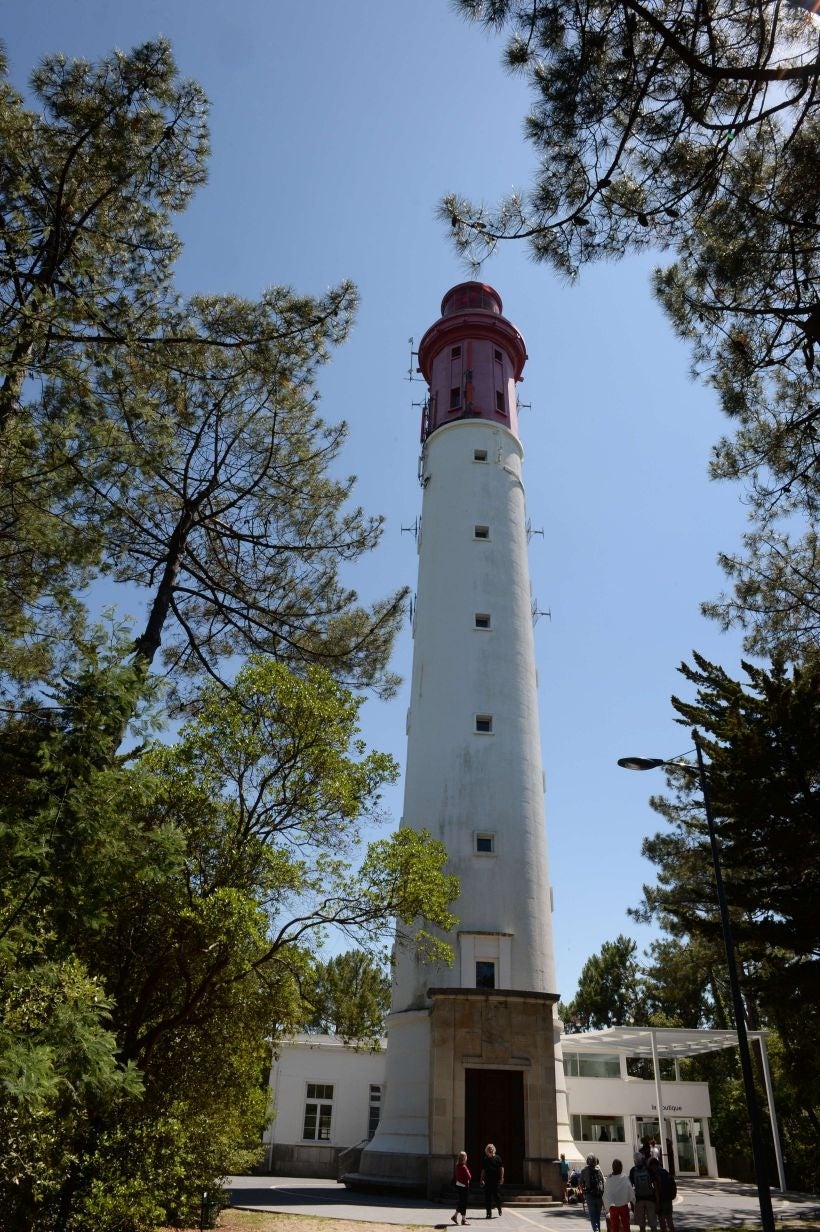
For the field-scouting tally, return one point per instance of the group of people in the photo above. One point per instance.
(648, 1192)
(492, 1178)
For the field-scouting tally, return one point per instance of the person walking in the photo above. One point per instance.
(492, 1178)
(564, 1167)
(462, 1178)
(668, 1191)
(618, 1197)
(647, 1193)
(592, 1184)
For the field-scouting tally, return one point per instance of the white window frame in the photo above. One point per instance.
(316, 1098)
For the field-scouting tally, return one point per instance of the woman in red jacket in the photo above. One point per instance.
(462, 1179)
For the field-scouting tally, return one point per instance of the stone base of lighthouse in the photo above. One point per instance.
(478, 1066)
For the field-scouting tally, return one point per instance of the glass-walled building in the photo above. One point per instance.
(613, 1106)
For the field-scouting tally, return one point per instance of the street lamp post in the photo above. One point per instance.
(755, 1131)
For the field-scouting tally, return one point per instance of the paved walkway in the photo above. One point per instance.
(699, 1204)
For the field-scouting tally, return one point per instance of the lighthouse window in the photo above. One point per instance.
(484, 722)
(485, 844)
(481, 532)
(497, 356)
(499, 400)
(455, 398)
(318, 1112)
(455, 353)
(482, 620)
(479, 455)
(484, 974)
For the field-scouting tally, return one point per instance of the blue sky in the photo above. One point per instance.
(335, 130)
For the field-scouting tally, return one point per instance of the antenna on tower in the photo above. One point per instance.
(531, 532)
(538, 612)
(412, 530)
(412, 370)
(520, 406)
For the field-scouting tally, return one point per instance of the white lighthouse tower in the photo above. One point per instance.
(473, 1052)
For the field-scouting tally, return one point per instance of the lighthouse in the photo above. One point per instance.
(473, 1052)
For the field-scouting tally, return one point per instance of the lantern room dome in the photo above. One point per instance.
(469, 296)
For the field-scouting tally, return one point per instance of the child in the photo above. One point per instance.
(462, 1179)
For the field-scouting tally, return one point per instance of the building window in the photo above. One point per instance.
(484, 722)
(482, 620)
(479, 455)
(592, 1065)
(642, 1067)
(498, 356)
(485, 844)
(481, 532)
(374, 1110)
(647, 1127)
(598, 1128)
(499, 401)
(318, 1112)
(484, 973)
(455, 398)
(455, 353)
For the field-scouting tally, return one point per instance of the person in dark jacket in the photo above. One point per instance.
(592, 1183)
(492, 1177)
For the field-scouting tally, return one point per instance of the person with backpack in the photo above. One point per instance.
(668, 1188)
(647, 1192)
(592, 1186)
(618, 1197)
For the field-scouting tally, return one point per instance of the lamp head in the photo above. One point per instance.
(641, 763)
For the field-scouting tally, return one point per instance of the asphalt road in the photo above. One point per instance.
(699, 1204)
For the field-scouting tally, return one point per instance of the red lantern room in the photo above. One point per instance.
(471, 358)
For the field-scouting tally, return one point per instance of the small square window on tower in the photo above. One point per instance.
(484, 723)
(499, 401)
(455, 353)
(481, 532)
(479, 455)
(498, 356)
(485, 844)
(455, 398)
(482, 620)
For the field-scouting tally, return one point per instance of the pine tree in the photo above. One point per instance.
(693, 129)
(173, 446)
(609, 989)
(350, 996)
(762, 737)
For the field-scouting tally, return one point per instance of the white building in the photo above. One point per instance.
(327, 1100)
